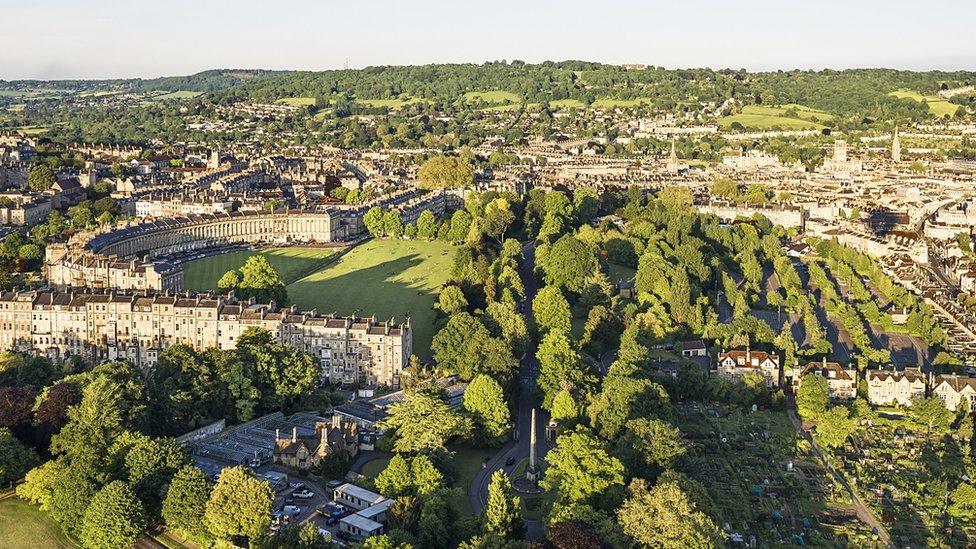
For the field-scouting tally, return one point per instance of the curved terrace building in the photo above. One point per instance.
(123, 258)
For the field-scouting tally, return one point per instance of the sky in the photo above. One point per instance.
(61, 39)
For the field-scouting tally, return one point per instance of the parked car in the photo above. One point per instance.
(296, 485)
(510, 461)
(291, 510)
(304, 493)
(332, 521)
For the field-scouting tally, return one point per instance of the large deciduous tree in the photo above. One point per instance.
(579, 467)
(115, 518)
(239, 505)
(551, 312)
(186, 501)
(485, 401)
(503, 513)
(568, 264)
(465, 347)
(423, 423)
(812, 397)
(665, 517)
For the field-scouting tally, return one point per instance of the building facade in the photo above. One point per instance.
(137, 327)
(738, 364)
(841, 382)
(886, 388)
(954, 390)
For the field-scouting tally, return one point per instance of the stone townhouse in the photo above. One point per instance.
(887, 387)
(737, 364)
(954, 390)
(113, 325)
(841, 382)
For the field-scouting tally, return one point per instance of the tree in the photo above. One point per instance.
(569, 263)
(183, 384)
(445, 172)
(282, 374)
(423, 424)
(460, 226)
(86, 440)
(503, 513)
(485, 401)
(559, 365)
(115, 518)
(665, 517)
(724, 187)
(427, 225)
(622, 398)
(40, 178)
(564, 406)
(464, 346)
(261, 281)
(812, 397)
(602, 330)
(151, 464)
(186, 501)
(374, 221)
(650, 443)
(579, 467)
(931, 413)
(38, 485)
(229, 281)
(239, 505)
(571, 534)
(502, 321)
(71, 494)
(551, 312)
(393, 224)
(498, 216)
(833, 428)
(451, 300)
(675, 198)
(15, 458)
(426, 479)
(396, 479)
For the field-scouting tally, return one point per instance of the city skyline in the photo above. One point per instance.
(105, 39)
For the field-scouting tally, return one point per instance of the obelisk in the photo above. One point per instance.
(532, 473)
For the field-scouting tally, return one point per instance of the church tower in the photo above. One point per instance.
(895, 146)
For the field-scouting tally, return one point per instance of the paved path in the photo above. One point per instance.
(864, 512)
(528, 399)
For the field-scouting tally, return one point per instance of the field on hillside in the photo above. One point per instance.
(567, 104)
(495, 96)
(297, 101)
(392, 103)
(382, 277)
(768, 117)
(23, 525)
(937, 105)
(182, 94)
(291, 263)
(609, 103)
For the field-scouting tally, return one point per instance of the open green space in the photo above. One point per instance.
(610, 102)
(32, 130)
(181, 94)
(620, 273)
(291, 263)
(390, 103)
(937, 105)
(495, 96)
(567, 104)
(297, 101)
(23, 525)
(787, 117)
(386, 278)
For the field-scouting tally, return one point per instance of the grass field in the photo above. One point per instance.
(937, 105)
(291, 263)
(567, 104)
(391, 103)
(609, 102)
(382, 277)
(297, 101)
(495, 96)
(767, 117)
(182, 94)
(23, 525)
(33, 130)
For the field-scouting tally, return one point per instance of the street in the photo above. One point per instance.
(528, 399)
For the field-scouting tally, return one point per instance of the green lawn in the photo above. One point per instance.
(937, 105)
(297, 101)
(609, 102)
(467, 462)
(182, 94)
(373, 468)
(23, 525)
(567, 104)
(495, 96)
(291, 263)
(768, 117)
(619, 272)
(388, 278)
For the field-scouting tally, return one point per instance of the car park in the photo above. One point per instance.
(291, 510)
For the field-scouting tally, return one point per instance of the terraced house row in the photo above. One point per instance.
(137, 326)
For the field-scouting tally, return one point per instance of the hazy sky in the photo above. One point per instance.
(108, 38)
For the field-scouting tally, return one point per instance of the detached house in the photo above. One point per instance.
(305, 451)
(738, 364)
(841, 382)
(954, 389)
(890, 387)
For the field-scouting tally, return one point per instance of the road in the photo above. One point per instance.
(528, 399)
(863, 512)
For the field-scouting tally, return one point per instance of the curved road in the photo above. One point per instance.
(528, 399)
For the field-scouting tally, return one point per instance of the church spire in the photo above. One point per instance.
(895, 146)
